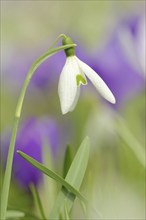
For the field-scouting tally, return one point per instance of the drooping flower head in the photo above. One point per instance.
(74, 75)
(30, 139)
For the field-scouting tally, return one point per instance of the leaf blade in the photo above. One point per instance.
(51, 174)
(82, 155)
(37, 201)
(67, 160)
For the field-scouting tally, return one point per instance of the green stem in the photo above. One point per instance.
(7, 176)
(60, 36)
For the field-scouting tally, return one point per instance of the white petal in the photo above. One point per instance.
(97, 81)
(76, 99)
(67, 88)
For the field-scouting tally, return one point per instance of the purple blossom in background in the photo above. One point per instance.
(32, 136)
(115, 66)
(132, 37)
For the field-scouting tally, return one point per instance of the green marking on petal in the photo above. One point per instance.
(81, 80)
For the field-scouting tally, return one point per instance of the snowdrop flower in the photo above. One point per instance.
(73, 75)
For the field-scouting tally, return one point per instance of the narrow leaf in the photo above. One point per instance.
(78, 167)
(51, 174)
(60, 216)
(74, 177)
(66, 214)
(37, 201)
(67, 160)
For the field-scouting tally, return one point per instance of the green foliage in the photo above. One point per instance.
(37, 201)
(67, 160)
(75, 177)
(71, 183)
(51, 174)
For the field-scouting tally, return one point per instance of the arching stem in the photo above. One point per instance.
(8, 170)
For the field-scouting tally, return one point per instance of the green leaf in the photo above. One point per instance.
(67, 160)
(60, 216)
(66, 214)
(84, 208)
(10, 214)
(51, 174)
(78, 167)
(74, 177)
(37, 201)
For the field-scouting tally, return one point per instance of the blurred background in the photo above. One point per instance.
(110, 37)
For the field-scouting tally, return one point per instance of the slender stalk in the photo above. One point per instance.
(60, 36)
(7, 176)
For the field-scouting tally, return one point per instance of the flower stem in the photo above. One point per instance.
(55, 42)
(7, 176)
